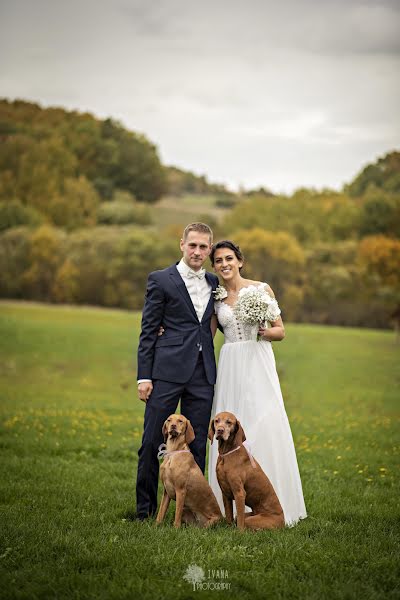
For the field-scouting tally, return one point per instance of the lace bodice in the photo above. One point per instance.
(234, 330)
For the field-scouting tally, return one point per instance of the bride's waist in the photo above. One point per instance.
(251, 341)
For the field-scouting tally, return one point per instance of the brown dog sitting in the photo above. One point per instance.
(241, 478)
(182, 478)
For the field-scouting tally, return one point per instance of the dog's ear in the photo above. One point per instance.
(164, 431)
(239, 435)
(211, 431)
(189, 434)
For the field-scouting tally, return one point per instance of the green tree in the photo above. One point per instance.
(383, 174)
(76, 205)
(333, 285)
(379, 258)
(136, 166)
(123, 213)
(42, 148)
(44, 259)
(380, 214)
(276, 258)
(307, 215)
(14, 213)
(65, 286)
(15, 259)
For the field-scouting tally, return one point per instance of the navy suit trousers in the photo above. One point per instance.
(196, 398)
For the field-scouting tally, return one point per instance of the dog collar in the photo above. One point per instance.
(230, 451)
(246, 446)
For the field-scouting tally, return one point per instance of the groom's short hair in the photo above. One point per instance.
(200, 228)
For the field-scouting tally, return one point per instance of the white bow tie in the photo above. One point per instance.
(200, 274)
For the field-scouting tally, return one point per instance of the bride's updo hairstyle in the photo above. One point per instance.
(231, 246)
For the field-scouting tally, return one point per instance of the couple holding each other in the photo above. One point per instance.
(180, 365)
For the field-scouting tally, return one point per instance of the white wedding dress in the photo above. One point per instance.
(248, 386)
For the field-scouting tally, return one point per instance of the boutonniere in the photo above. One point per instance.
(220, 293)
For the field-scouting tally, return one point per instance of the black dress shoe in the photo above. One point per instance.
(142, 517)
(130, 515)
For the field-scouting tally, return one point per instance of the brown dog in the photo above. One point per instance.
(182, 478)
(241, 478)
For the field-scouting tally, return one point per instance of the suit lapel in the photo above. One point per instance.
(180, 284)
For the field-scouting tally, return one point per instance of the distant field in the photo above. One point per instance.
(70, 429)
(186, 209)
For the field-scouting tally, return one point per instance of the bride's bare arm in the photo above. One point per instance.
(276, 332)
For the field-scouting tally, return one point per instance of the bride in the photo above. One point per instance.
(248, 386)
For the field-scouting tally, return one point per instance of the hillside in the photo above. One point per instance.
(87, 210)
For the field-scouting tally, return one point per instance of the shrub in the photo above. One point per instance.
(14, 214)
(14, 260)
(123, 213)
(225, 201)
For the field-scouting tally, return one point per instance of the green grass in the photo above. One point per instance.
(70, 428)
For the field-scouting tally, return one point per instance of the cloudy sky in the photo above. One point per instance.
(248, 92)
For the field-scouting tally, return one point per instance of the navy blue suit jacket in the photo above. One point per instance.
(173, 356)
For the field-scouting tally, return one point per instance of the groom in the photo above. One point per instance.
(180, 364)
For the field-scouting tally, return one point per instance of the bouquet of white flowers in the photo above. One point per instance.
(256, 306)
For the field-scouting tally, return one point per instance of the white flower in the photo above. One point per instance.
(220, 293)
(256, 306)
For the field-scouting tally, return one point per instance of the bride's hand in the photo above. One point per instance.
(274, 333)
(263, 332)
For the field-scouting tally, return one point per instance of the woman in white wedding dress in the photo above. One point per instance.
(248, 386)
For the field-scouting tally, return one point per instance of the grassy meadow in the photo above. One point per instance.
(70, 428)
(181, 210)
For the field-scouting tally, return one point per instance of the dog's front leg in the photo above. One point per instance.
(180, 503)
(228, 506)
(240, 497)
(163, 507)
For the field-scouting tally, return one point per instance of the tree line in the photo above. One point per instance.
(69, 169)
(78, 199)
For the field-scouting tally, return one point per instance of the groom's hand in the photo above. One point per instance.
(144, 390)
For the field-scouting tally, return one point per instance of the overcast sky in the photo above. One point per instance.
(247, 92)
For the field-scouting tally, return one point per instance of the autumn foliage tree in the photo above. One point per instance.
(44, 258)
(379, 258)
(277, 259)
(384, 174)
(78, 214)
(42, 150)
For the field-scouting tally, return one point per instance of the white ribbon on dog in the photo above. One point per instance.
(251, 457)
(162, 451)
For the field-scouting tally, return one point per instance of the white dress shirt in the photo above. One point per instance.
(199, 291)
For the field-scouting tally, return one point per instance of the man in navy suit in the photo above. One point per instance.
(179, 364)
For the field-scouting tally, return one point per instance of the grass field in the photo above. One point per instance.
(70, 428)
(181, 210)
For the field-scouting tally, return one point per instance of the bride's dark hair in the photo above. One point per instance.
(226, 244)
